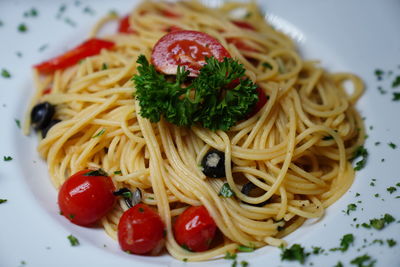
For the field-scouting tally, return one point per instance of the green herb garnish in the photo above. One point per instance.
(230, 256)
(267, 65)
(391, 242)
(396, 97)
(345, 243)
(294, 253)
(99, 133)
(5, 73)
(363, 153)
(118, 172)
(31, 13)
(3, 201)
(18, 122)
(392, 145)
(202, 101)
(226, 191)
(99, 172)
(379, 224)
(104, 66)
(73, 240)
(242, 248)
(7, 158)
(22, 27)
(391, 189)
(363, 261)
(396, 82)
(351, 207)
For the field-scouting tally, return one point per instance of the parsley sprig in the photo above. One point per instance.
(208, 100)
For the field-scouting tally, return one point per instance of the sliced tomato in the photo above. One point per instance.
(124, 26)
(89, 48)
(47, 91)
(195, 229)
(186, 48)
(262, 100)
(86, 197)
(243, 25)
(140, 230)
(240, 44)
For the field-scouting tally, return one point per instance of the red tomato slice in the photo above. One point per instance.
(243, 25)
(262, 100)
(186, 48)
(86, 199)
(124, 26)
(140, 230)
(89, 48)
(195, 229)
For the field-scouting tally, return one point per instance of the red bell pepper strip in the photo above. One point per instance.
(89, 48)
(124, 26)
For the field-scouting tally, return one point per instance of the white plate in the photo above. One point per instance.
(357, 36)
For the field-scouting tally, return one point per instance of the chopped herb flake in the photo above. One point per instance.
(392, 145)
(18, 122)
(396, 81)
(7, 158)
(391, 242)
(31, 13)
(363, 261)
(363, 153)
(245, 248)
(267, 65)
(99, 172)
(5, 73)
(230, 256)
(73, 240)
(351, 207)
(22, 27)
(345, 243)
(294, 253)
(118, 172)
(3, 201)
(104, 66)
(396, 97)
(391, 189)
(99, 133)
(226, 191)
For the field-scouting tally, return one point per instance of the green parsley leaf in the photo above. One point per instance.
(363, 153)
(391, 189)
(351, 207)
(18, 122)
(242, 248)
(118, 172)
(379, 73)
(363, 261)
(396, 97)
(226, 191)
(317, 250)
(230, 256)
(7, 158)
(99, 133)
(200, 102)
(184, 259)
(345, 243)
(391, 242)
(99, 172)
(328, 137)
(392, 145)
(294, 253)
(5, 73)
(89, 10)
(266, 65)
(1, 23)
(104, 66)
(73, 240)
(22, 27)
(339, 264)
(379, 224)
(396, 81)
(244, 263)
(31, 13)
(3, 201)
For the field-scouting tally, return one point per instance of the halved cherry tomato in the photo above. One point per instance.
(186, 48)
(140, 230)
(86, 197)
(195, 229)
(243, 25)
(262, 100)
(124, 26)
(89, 48)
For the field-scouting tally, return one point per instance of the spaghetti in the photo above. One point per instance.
(295, 150)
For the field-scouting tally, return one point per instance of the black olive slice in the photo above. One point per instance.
(246, 189)
(47, 128)
(213, 164)
(41, 115)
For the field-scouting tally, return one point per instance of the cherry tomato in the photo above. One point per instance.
(262, 100)
(140, 230)
(186, 48)
(86, 197)
(89, 48)
(195, 229)
(124, 26)
(244, 25)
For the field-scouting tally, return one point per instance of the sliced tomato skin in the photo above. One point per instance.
(140, 230)
(86, 199)
(186, 48)
(88, 48)
(243, 25)
(195, 229)
(124, 26)
(262, 100)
